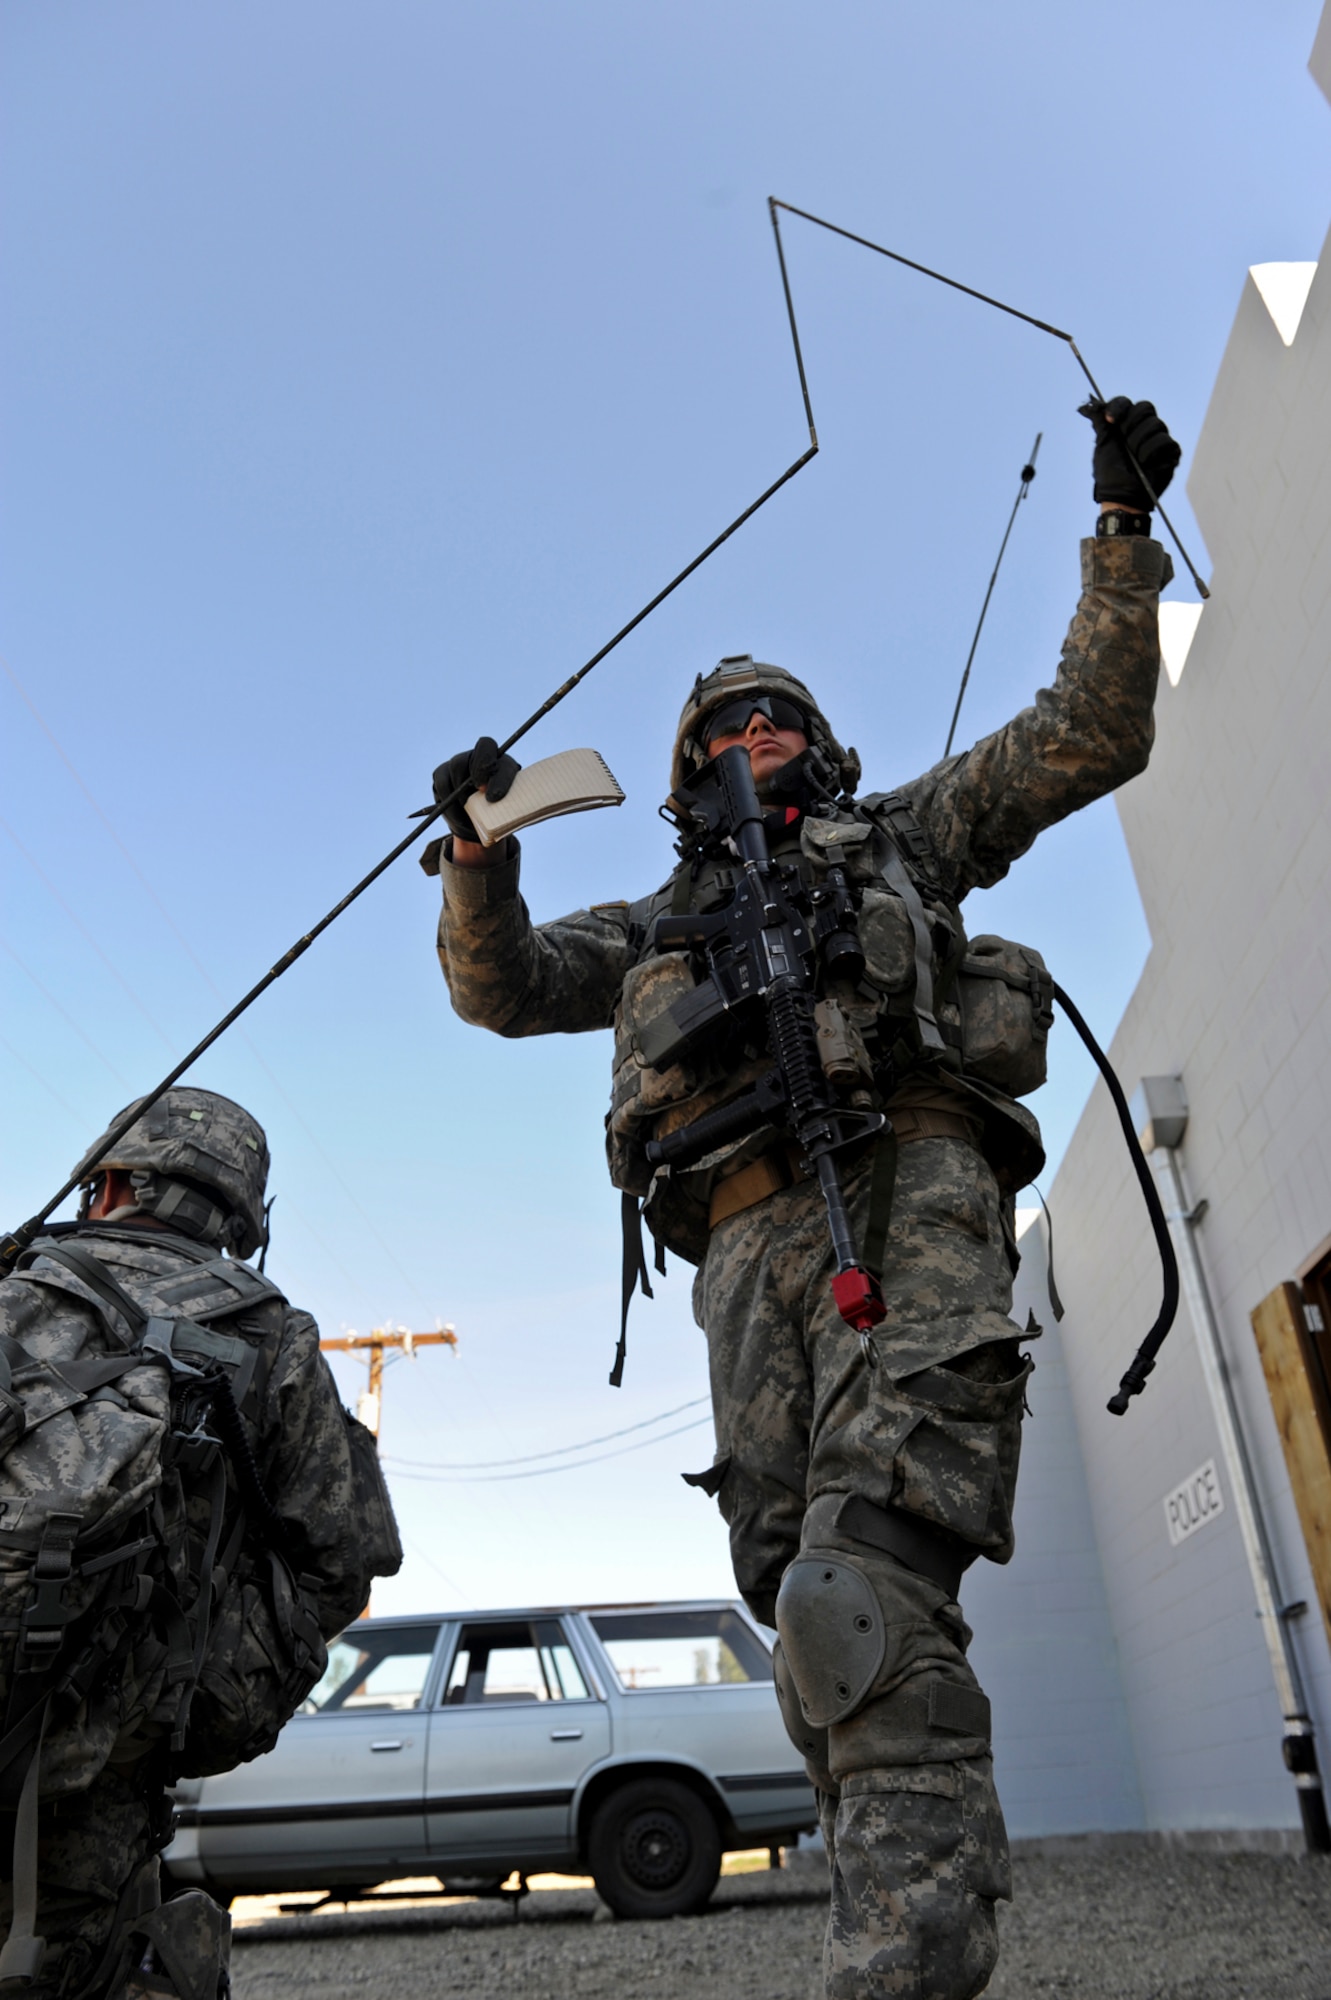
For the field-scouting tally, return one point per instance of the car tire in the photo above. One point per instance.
(654, 1850)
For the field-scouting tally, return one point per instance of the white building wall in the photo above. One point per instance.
(1230, 836)
(1044, 1648)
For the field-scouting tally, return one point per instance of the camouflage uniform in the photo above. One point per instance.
(99, 1839)
(817, 1437)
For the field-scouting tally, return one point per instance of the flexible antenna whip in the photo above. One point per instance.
(13, 1245)
(1027, 475)
(1014, 312)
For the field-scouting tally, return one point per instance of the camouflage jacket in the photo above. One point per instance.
(1088, 733)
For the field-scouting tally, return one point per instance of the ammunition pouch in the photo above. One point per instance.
(993, 998)
(1006, 1000)
(648, 1103)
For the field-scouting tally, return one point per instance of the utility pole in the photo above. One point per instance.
(369, 1402)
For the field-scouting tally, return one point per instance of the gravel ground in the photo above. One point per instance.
(1147, 1924)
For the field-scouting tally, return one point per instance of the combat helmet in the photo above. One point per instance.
(197, 1161)
(740, 673)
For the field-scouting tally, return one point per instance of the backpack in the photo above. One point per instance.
(148, 1604)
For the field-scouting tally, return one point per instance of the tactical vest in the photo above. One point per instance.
(971, 1014)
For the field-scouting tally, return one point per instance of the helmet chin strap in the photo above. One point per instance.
(804, 780)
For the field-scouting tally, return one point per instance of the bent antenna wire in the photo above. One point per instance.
(1041, 325)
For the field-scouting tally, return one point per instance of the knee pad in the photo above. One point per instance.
(832, 1635)
(810, 1742)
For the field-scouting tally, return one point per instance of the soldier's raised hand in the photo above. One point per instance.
(482, 768)
(1118, 422)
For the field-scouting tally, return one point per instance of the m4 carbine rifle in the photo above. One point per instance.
(774, 945)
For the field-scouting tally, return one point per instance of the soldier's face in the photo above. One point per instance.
(769, 747)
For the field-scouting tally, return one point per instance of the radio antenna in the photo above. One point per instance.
(1027, 475)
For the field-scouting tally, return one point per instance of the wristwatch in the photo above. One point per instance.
(1122, 521)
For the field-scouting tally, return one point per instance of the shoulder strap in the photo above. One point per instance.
(94, 1274)
(186, 1342)
(897, 818)
(899, 827)
(177, 1337)
(234, 1287)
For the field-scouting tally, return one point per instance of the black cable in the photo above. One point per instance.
(1143, 1361)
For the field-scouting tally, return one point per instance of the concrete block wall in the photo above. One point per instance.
(1230, 836)
(1044, 1644)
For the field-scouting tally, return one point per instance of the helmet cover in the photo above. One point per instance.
(194, 1140)
(738, 674)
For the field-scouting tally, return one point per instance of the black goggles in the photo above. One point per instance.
(732, 718)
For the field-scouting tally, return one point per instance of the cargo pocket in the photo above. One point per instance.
(987, 1861)
(957, 1466)
(888, 941)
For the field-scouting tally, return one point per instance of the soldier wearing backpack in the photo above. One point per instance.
(187, 1514)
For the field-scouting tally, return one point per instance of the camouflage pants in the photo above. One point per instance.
(98, 1903)
(927, 1422)
(92, 1847)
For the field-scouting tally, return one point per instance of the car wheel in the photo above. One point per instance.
(654, 1850)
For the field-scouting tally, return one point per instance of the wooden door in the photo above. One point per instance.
(1294, 1366)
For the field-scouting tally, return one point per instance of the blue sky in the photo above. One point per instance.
(364, 369)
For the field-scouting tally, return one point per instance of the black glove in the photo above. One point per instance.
(456, 781)
(1137, 426)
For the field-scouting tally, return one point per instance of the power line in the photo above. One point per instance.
(204, 974)
(419, 1552)
(69, 765)
(539, 1471)
(64, 1014)
(559, 1451)
(23, 1063)
(83, 930)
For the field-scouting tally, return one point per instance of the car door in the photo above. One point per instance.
(697, 1684)
(517, 1726)
(344, 1787)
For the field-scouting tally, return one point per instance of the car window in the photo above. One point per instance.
(374, 1671)
(664, 1649)
(524, 1660)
